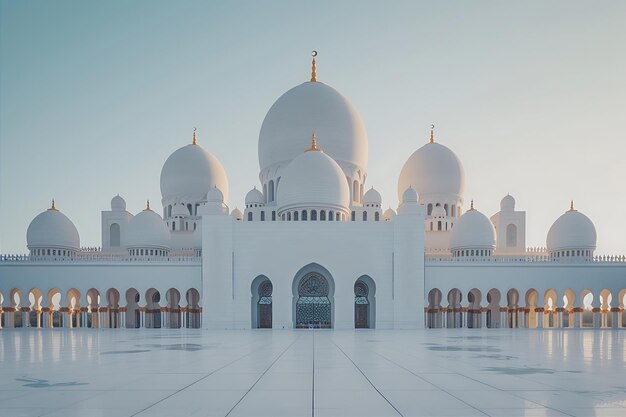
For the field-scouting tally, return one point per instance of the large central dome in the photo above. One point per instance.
(307, 108)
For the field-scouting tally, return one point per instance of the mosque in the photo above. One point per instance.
(313, 247)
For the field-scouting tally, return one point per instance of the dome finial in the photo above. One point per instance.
(147, 205)
(52, 207)
(571, 205)
(194, 136)
(313, 145)
(432, 133)
(313, 73)
(472, 206)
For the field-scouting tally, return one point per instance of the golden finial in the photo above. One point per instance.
(194, 136)
(313, 145)
(147, 205)
(571, 206)
(432, 134)
(52, 207)
(472, 206)
(313, 73)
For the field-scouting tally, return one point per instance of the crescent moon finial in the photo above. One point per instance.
(194, 136)
(432, 133)
(313, 73)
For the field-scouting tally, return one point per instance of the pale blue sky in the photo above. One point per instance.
(95, 95)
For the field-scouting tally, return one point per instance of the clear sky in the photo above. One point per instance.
(95, 95)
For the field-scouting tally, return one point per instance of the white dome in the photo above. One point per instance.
(409, 195)
(507, 203)
(473, 230)
(52, 229)
(389, 214)
(372, 197)
(307, 108)
(254, 196)
(148, 230)
(180, 210)
(237, 214)
(118, 203)
(313, 179)
(433, 169)
(215, 195)
(573, 230)
(190, 172)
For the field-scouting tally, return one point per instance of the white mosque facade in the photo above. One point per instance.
(313, 247)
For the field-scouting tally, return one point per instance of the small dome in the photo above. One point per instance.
(313, 179)
(254, 196)
(312, 107)
(573, 230)
(180, 210)
(215, 196)
(438, 211)
(118, 203)
(433, 169)
(473, 230)
(409, 195)
(237, 214)
(52, 229)
(389, 214)
(372, 197)
(190, 172)
(507, 203)
(148, 230)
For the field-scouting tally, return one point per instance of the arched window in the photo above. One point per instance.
(322, 215)
(365, 216)
(353, 216)
(190, 209)
(355, 191)
(511, 236)
(295, 216)
(330, 216)
(376, 216)
(249, 216)
(273, 216)
(439, 225)
(196, 210)
(114, 235)
(313, 215)
(174, 226)
(338, 216)
(453, 207)
(304, 216)
(262, 216)
(289, 216)
(429, 209)
(169, 211)
(270, 190)
(445, 207)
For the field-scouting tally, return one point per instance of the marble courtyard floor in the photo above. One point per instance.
(461, 372)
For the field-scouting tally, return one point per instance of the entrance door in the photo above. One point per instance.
(265, 305)
(313, 308)
(361, 306)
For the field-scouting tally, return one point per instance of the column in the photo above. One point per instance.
(539, 317)
(47, 320)
(578, 316)
(483, 317)
(617, 317)
(559, 317)
(597, 317)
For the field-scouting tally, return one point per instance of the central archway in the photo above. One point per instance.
(313, 305)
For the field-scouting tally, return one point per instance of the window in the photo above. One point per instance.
(190, 209)
(431, 226)
(262, 216)
(453, 207)
(511, 236)
(355, 191)
(439, 225)
(353, 216)
(330, 216)
(273, 216)
(169, 211)
(304, 216)
(295, 216)
(196, 210)
(186, 226)
(289, 216)
(313, 215)
(249, 216)
(445, 207)
(429, 209)
(174, 226)
(114, 235)
(376, 216)
(339, 216)
(322, 215)
(365, 216)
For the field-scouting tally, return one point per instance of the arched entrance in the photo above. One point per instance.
(264, 305)
(361, 305)
(313, 307)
